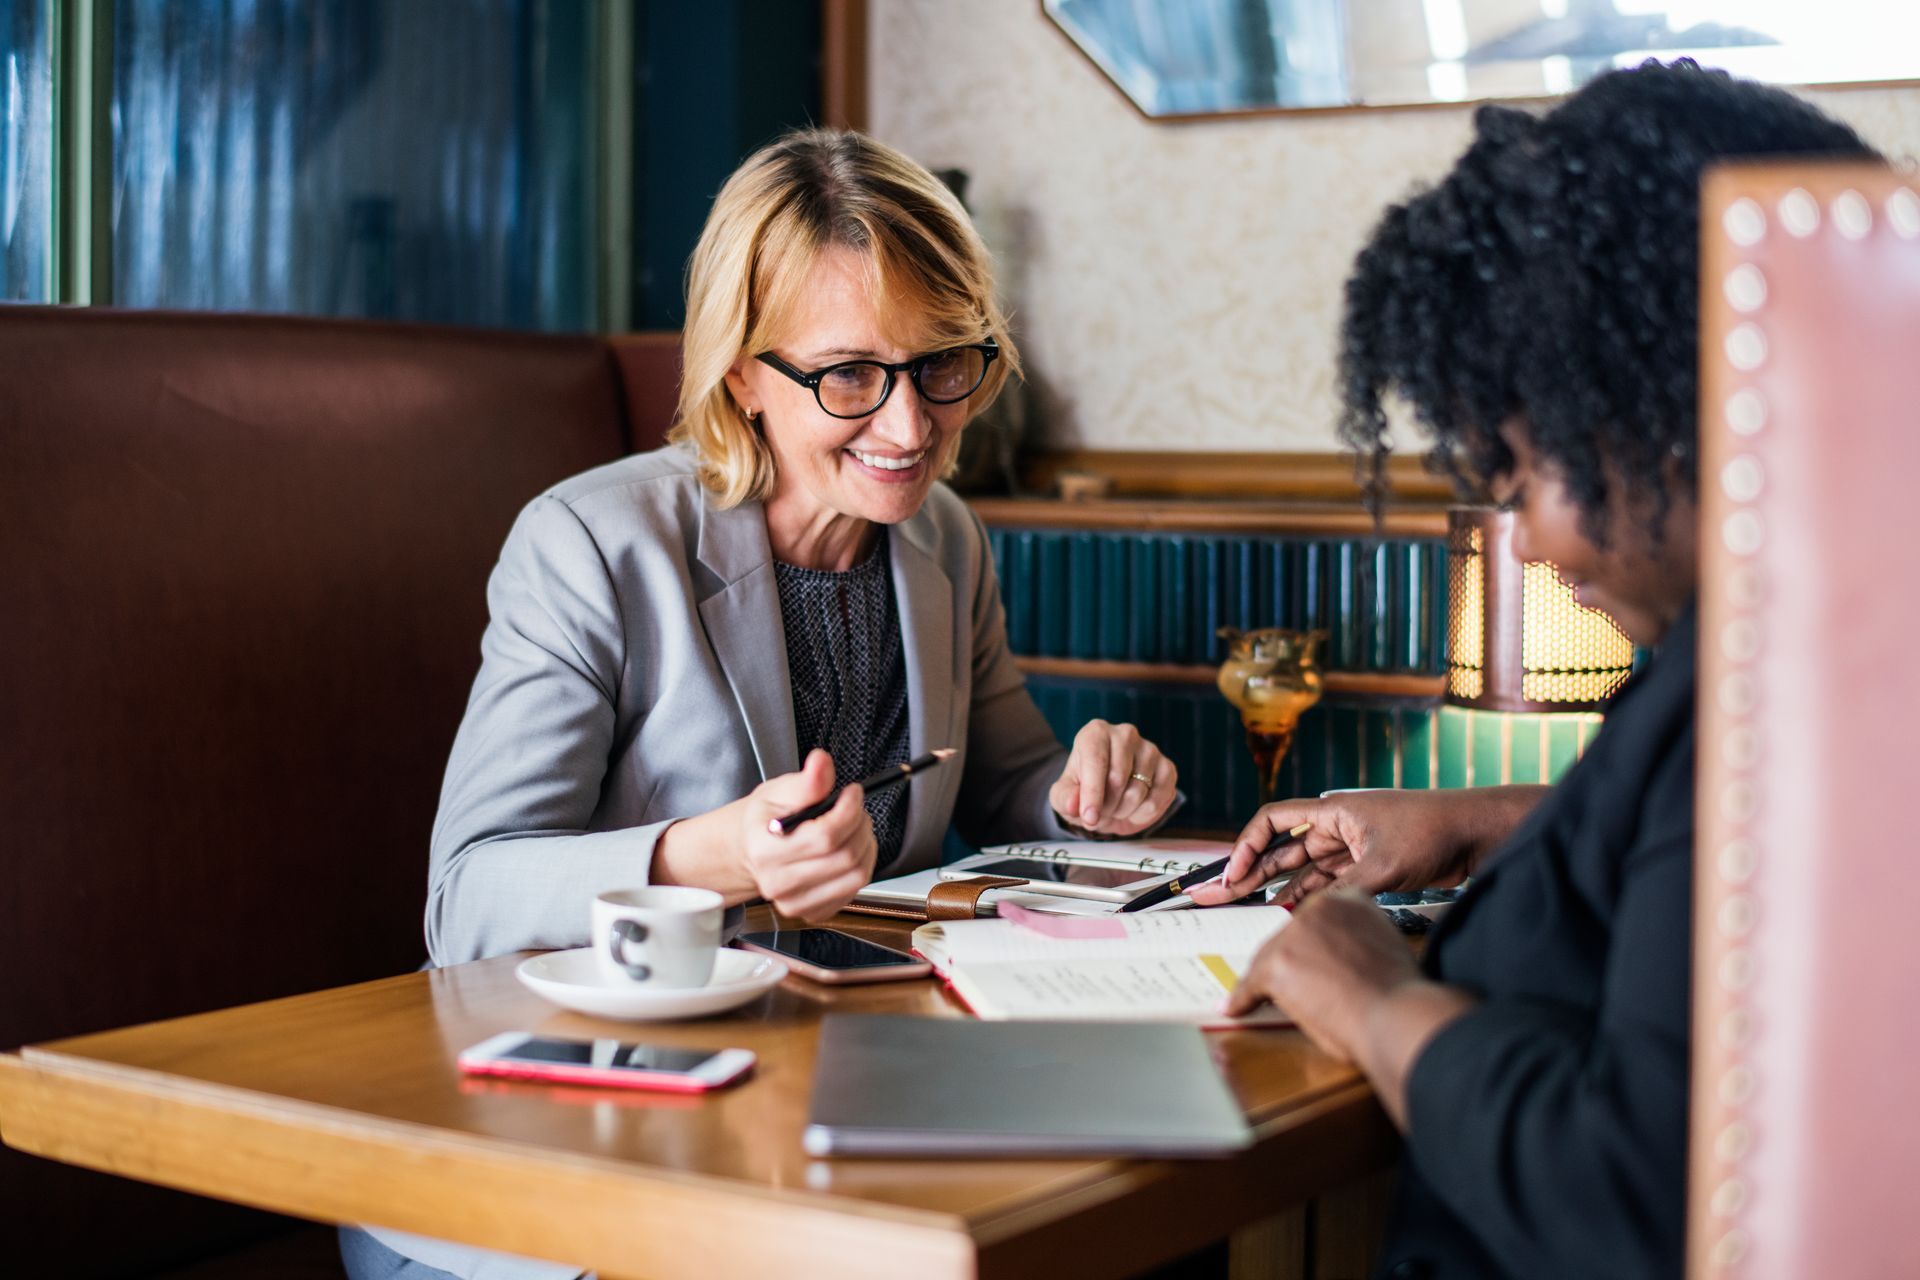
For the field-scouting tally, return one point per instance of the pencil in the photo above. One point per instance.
(887, 777)
(1200, 875)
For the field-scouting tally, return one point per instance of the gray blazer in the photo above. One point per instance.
(635, 672)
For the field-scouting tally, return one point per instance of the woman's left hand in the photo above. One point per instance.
(1115, 783)
(1328, 970)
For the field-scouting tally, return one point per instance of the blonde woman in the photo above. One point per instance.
(687, 643)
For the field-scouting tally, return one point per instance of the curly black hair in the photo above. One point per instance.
(1553, 275)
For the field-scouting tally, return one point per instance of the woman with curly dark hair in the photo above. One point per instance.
(1537, 313)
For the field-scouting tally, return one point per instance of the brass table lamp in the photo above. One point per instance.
(1517, 640)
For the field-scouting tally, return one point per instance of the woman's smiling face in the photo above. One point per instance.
(1639, 579)
(837, 471)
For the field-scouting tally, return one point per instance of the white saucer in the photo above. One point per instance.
(571, 979)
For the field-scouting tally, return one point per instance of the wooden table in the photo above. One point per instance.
(346, 1106)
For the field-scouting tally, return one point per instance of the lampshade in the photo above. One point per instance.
(1516, 638)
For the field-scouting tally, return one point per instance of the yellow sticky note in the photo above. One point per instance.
(1222, 971)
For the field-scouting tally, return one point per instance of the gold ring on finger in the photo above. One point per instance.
(1142, 779)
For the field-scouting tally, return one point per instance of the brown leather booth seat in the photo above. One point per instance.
(242, 572)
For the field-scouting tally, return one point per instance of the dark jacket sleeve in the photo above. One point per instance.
(1557, 1134)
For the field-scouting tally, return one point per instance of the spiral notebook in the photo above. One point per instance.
(1153, 854)
(905, 897)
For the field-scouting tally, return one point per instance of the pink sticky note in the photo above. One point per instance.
(1062, 926)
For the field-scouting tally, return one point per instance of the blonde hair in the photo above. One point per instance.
(806, 193)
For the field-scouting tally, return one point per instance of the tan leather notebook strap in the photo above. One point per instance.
(958, 899)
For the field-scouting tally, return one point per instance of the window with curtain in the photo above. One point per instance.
(429, 160)
(26, 150)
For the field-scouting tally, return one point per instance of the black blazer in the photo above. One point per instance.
(1547, 1128)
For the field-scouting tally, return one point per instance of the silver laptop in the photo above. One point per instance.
(887, 1085)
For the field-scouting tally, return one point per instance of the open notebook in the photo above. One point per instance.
(1174, 966)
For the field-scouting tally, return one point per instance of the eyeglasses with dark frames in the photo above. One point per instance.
(856, 388)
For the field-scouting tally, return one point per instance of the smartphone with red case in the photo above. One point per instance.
(613, 1063)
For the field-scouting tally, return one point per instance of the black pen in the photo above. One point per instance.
(885, 778)
(1200, 875)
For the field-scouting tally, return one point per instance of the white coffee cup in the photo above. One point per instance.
(659, 936)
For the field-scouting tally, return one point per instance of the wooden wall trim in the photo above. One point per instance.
(843, 63)
(1249, 519)
(1346, 683)
(1323, 477)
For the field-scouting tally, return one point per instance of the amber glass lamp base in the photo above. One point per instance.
(1272, 677)
(1269, 749)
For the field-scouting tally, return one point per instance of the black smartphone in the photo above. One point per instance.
(827, 955)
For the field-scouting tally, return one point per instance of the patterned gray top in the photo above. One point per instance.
(850, 677)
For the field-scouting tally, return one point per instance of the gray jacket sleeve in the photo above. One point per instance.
(1013, 756)
(514, 863)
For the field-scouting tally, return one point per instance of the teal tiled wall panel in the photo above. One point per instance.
(1358, 743)
(1161, 598)
(1164, 597)
(1144, 598)
(1018, 576)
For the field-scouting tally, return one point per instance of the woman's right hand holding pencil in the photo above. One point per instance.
(808, 875)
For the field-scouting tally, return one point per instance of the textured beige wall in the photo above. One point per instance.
(1175, 286)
